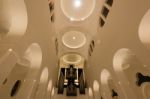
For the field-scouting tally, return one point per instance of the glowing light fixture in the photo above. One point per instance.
(77, 3)
(77, 10)
(74, 39)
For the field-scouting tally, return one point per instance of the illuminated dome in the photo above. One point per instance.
(74, 39)
(72, 58)
(77, 10)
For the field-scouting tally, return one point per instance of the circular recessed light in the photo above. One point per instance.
(74, 39)
(77, 10)
(72, 58)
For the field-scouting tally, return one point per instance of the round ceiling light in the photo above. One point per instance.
(74, 39)
(77, 10)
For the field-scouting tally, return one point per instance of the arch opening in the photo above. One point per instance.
(33, 54)
(144, 30)
(13, 19)
(44, 75)
(122, 59)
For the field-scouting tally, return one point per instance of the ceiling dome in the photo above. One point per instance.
(77, 10)
(74, 39)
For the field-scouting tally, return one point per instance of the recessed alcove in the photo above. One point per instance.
(96, 89)
(127, 67)
(50, 84)
(34, 55)
(146, 90)
(104, 76)
(96, 86)
(49, 89)
(90, 93)
(144, 29)
(13, 19)
(7, 62)
(52, 92)
(108, 85)
(42, 86)
(122, 59)
(44, 75)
